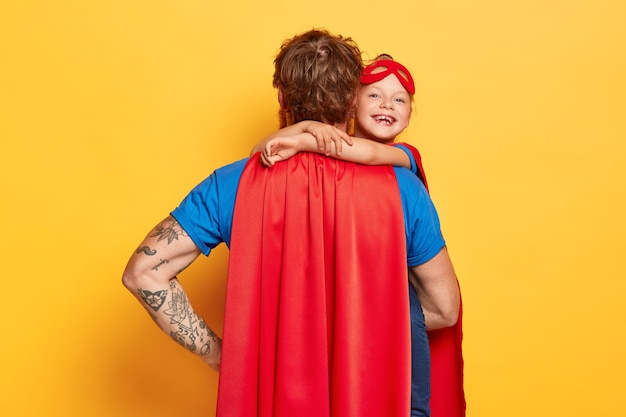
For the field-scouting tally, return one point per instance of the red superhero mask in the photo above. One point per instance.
(384, 67)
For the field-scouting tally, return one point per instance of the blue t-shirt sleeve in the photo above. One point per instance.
(422, 227)
(206, 213)
(409, 154)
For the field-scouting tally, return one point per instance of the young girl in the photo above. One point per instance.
(384, 106)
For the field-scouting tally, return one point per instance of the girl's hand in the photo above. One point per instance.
(325, 135)
(279, 149)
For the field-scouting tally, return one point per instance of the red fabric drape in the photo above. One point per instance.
(317, 317)
(418, 160)
(447, 396)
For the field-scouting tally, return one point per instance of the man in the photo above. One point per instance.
(316, 320)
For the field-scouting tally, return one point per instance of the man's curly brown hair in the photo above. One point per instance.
(318, 74)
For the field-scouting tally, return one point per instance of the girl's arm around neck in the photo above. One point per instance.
(369, 152)
(362, 151)
(311, 136)
(323, 134)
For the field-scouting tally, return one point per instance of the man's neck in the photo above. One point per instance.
(342, 126)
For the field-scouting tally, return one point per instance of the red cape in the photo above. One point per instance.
(418, 160)
(317, 317)
(447, 397)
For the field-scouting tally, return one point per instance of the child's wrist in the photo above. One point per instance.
(306, 125)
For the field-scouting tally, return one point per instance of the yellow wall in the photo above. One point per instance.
(110, 111)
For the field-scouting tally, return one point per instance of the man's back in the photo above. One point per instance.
(317, 307)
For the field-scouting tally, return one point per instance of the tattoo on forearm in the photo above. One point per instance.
(191, 327)
(206, 348)
(163, 261)
(178, 312)
(170, 230)
(146, 250)
(153, 299)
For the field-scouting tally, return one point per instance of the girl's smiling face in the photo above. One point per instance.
(383, 110)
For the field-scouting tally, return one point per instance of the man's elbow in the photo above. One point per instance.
(130, 282)
(140, 276)
(446, 316)
(452, 313)
(133, 278)
(450, 318)
(441, 319)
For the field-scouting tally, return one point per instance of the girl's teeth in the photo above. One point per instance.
(384, 120)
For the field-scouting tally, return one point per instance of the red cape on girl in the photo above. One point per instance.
(317, 316)
(447, 396)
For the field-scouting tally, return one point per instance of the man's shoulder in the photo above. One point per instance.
(232, 169)
(407, 179)
(221, 180)
(412, 190)
(226, 176)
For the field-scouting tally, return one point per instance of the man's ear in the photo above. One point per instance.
(281, 99)
(354, 100)
(352, 110)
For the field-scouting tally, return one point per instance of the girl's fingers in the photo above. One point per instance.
(338, 146)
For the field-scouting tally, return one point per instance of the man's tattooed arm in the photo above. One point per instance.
(185, 327)
(151, 276)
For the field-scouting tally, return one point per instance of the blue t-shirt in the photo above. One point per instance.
(410, 155)
(206, 213)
